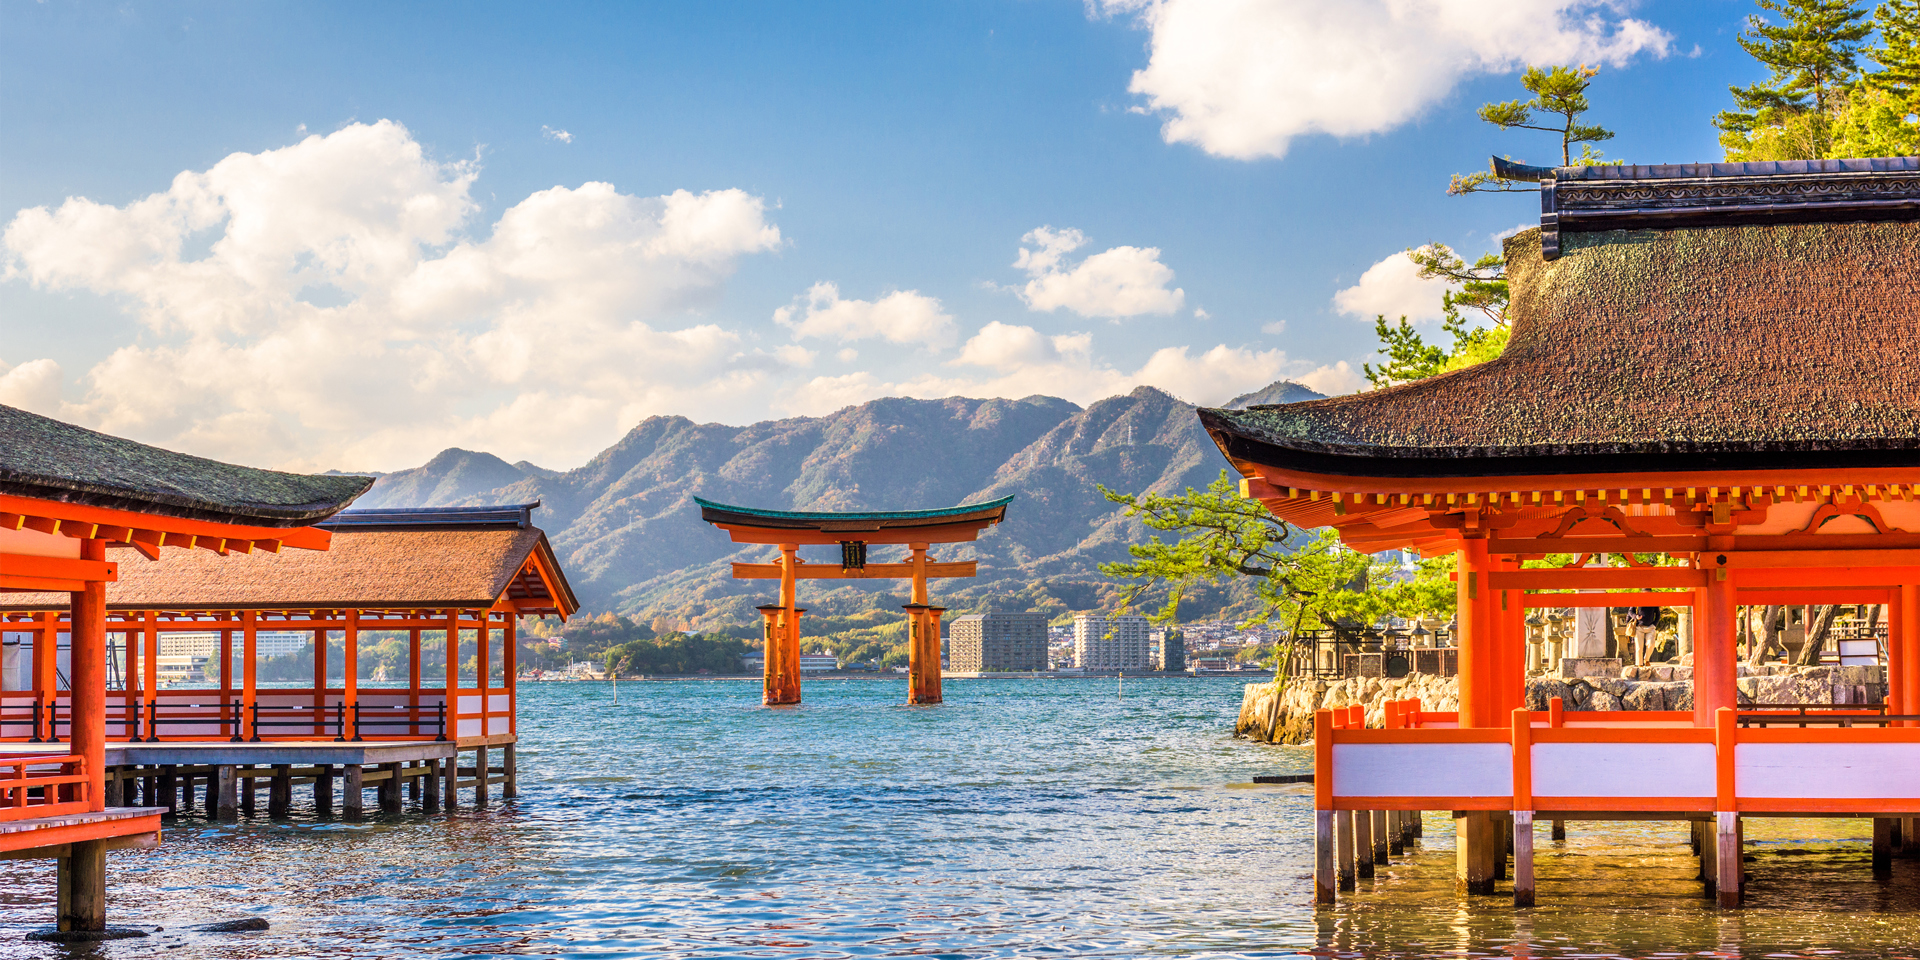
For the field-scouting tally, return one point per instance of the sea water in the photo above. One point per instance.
(1021, 818)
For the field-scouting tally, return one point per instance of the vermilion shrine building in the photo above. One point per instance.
(1718, 363)
(140, 545)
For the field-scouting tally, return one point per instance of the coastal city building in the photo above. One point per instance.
(809, 662)
(1110, 643)
(998, 643)
(1169, 649)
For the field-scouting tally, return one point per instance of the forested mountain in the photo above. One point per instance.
(630, 536)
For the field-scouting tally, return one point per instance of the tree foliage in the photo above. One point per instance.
(1303, 580)
(1558, 91)
(1817, 100)
(1481, 286)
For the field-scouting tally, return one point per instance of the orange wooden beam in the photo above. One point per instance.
(938, 533)
(90, 522)
(872, 571)
(1615, 578)
(58, 568)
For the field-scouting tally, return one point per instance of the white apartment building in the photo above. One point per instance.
(206, 643)
(1111, 643)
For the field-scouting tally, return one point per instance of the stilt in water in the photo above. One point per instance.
(1523, 858)
(1380, 840)
(511, 788)
(1727, 847)
(1475, 847)
(1883, 848)
(354, 794)
(1343, 846)
(480, 776)
(1363, 843)
(1560, 830)
(1323, 856)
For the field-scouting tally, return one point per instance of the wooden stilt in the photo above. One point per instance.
(451, 767)
(1323, 856)
(226, 793)
(167, 780)
(1343, 847)
(511, 788)
(354, 794)
(1363, 843)
(323, 789)
(280, 791)
(1474, 847)
(1523, 858)
(413, 782)
(247, 785)
(1419, 824)
(480, 775)
(1380, 842)
(1883, 848)
(1559, 830)
(1500, 840)
(83, 887)
(1396, 832)
(390, 789)
(1726, 842)
(113, 797)
(430, 801)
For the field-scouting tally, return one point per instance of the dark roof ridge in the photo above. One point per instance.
(500, 515)
(49, 459)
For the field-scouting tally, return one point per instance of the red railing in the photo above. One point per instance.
(29, 787)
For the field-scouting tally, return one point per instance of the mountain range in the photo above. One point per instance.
(630, 537)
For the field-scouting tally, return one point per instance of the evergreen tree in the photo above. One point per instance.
(1559, 91)
(1812, 58)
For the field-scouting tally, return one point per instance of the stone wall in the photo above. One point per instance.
(1289, 717)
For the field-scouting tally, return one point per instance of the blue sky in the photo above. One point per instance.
(320, 288)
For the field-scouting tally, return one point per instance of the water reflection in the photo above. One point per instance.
(1022, 818)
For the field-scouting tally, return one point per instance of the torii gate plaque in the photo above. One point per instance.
(789, 530)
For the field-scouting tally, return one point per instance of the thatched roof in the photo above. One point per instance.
(387, 569)
(1698, 348)
(46, 459)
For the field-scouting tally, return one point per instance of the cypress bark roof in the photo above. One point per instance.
(1725, 347)
(386, 569)
(49, 460)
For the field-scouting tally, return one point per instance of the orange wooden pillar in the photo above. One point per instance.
(88, 675)
(46, 686)
(1511, 615)
(1714, 660)
(923, 653)
(350, 684)
(1908, 683)
(150, 660)
(512, 674)
(780, 673)
(249, 673)
(453, 687)
(1478, 656)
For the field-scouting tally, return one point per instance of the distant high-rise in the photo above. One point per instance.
(997, 643)
(1170, 651)
(1111, 643)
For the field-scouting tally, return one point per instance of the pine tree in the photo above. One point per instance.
(1812, 58)
(1899, 51)
(1556, 90)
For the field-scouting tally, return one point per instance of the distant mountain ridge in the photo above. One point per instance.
(631, 539)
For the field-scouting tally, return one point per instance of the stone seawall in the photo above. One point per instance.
(1288, 717)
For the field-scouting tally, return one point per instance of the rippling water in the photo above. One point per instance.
(1019, 819)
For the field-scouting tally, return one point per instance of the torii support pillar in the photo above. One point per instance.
(923, 652)
(780, 670)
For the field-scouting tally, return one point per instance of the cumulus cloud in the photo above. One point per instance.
(904, 316)
(1242, 78)
(1393, 288)
(552, 134)
(33, 385)
(1011, 360)
(1120, 282)
(325, 304)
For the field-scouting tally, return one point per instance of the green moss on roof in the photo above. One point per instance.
(45, 458)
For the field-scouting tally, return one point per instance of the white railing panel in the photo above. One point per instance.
(1827, 771)
(1422, 770)
(1623, 770)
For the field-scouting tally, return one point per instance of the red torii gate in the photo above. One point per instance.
(853, 531)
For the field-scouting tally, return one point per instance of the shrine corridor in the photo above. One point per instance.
(1018, 817)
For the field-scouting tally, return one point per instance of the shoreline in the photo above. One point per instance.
(687, 678)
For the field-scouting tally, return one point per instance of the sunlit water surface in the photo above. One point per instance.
(1019, 819)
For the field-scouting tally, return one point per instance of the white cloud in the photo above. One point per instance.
(1274, 327)
(1332, 379)
(1393, 288)
(552, 134)
(1242, 78)
(1199, 314)
(33, 385)
(904, 316)
(342, 315)
(1010, 360)
(1120, 282)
